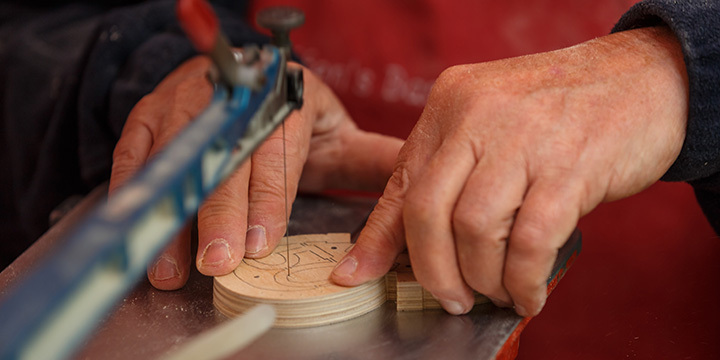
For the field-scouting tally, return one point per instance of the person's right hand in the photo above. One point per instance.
(245, 216)
(509, 154)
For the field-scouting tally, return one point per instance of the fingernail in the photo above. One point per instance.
(165, 268)
(346, 267)
(255, 239)
(523, 311)
(452, 307)
(216, 253)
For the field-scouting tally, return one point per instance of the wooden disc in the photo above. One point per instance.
(304, 298)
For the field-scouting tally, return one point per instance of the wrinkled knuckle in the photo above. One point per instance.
(269, 193)
(219, 210)
(399, 181)
(469, 222)
(385, 235)
(227, 196)
(530, 238)
(532, 227)
(276, 148)
(220, 205)
(267, 175)
(382, 240)
(270, 148)
(294, 149)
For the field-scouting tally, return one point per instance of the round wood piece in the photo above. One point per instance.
(304, 298)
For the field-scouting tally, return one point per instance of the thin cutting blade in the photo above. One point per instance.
(287, 227)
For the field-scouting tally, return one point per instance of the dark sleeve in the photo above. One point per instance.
(696, 24)
(69, 76)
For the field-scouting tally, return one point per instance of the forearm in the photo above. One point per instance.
(696, 25)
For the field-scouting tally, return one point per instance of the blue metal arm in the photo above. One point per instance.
(49, 313)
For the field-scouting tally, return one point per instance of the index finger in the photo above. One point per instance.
(133, 148)
(383, 237)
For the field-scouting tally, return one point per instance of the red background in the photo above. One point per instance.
(644, 285)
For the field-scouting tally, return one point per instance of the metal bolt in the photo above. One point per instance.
(280, 20)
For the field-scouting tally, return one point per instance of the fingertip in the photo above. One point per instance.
(364, 262)
(217, 258)
(454, 307)
(171, 269)
(167, 274)
(531, 309)
(344, 272)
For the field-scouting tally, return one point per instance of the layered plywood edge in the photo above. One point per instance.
(406, 292)
(307, 297)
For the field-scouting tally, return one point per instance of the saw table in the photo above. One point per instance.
(148, 322)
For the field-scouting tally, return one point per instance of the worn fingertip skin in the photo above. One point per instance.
(345, 270)
(453, 307)
(166, 274)
(529, 312)
(217, 258)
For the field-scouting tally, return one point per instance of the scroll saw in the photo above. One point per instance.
(50, 312)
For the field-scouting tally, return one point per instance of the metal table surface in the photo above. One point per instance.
(149, 322)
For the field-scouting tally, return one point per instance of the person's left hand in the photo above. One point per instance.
(245, 216)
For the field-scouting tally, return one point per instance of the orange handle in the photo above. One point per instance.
(198, 20)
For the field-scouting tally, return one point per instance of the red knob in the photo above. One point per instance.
(198, 20)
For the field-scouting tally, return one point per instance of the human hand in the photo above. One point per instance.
(246, 214)
(508, 155)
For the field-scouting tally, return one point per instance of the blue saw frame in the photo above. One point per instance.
(52, 310)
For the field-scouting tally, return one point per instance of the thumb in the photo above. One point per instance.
(382, 239)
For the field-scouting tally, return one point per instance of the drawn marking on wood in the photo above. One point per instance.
(307, 297)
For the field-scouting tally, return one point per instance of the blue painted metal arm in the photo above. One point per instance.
(55, 307)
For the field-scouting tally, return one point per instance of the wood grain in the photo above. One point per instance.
(408, 294)
(307, 297)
